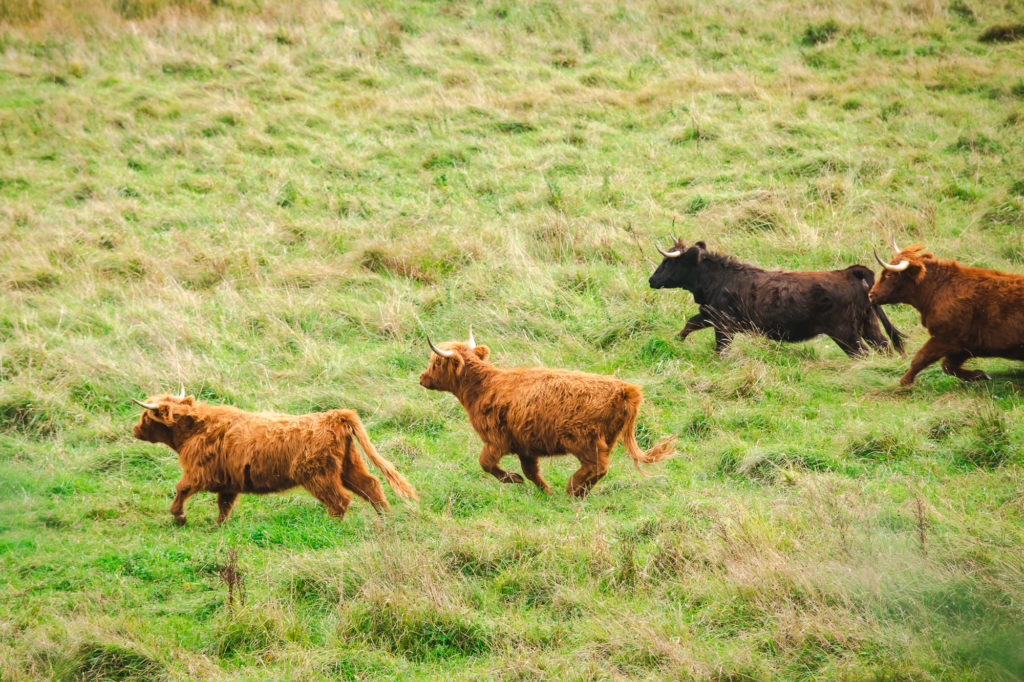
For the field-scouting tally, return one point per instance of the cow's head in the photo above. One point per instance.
(165, 419)
(901, 275)
(448, 361)
(678, 266)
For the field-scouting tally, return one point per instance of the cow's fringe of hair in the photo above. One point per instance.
(397, 482)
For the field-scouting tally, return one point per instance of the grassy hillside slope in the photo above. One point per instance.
(273, 202)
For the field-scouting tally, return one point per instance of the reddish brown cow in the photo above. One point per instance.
(538, 412)
(226, 451)
(969, 312)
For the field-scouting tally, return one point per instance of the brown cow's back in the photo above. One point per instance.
(551, 411)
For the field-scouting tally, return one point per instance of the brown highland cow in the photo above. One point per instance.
(537, 412)
(226, 451)
(969, 312)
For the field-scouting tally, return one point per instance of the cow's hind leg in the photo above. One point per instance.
(872, 333)
(489, 459)
(224, 503)
(593, 467)
(531, 469)
(185, 489)
(849, 341)
(952, 364)
(357, 478)
(320, 474)
(722, 341)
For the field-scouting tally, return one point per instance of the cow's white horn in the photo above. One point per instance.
(472, 343)
(892, 240)
(442, 353)
(181, 392)
(668, 254)
(148, 406)
(903, 264)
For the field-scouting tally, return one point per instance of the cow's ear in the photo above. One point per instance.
(188, 400)
(916, 271)
(482, 352)
(162, 414)
(702, 246)
(694, 253)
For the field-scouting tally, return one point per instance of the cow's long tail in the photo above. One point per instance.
(397, 482)
(664, 449)
(895, 334)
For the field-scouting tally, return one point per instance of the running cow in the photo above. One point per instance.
(968, 312)
(538, 412)
(226, 451)
(784, 306)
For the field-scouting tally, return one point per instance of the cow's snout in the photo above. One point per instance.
(425, 381)
(655, 284)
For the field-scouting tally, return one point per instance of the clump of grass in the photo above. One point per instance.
(988, 444)
(1002, 33)
(816, 34)
(108, 661)
(418, 633)
(881, 447)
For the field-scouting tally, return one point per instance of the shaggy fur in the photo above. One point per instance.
(968, 312)
(226, 451)
(538, 412)
(785, 306)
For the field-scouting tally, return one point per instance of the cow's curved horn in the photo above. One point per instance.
(442, 353)
(892, 240)
(148, 406)
(903, 264)
(668, 254)
(472, 343)
(181, 392)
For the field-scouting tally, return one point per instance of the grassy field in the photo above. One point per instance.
(272, 202)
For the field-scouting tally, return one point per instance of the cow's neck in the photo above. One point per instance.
(475, 377)
(923, 295)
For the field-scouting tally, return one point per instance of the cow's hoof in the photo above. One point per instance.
(513, 478)
(978, 375)
(180, 520)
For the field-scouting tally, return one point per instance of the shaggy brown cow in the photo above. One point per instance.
(226, 451)
(969, 312)
(538, 412)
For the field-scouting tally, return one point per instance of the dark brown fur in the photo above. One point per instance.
(968, 312)
(226, 451)
(785, 306)
(538, 412)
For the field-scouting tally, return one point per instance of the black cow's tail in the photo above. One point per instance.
(867, 278)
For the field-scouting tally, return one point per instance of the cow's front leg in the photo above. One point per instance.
(695, 323)
(931, 351)
(531, 469)
(185, 489)
(489, 459)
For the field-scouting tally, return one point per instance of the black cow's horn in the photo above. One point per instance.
(442, 353)
(148, 406)
(668, 254)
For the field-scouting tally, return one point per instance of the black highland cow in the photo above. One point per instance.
(785, 306)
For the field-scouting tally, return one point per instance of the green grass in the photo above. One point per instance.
(273, 202)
